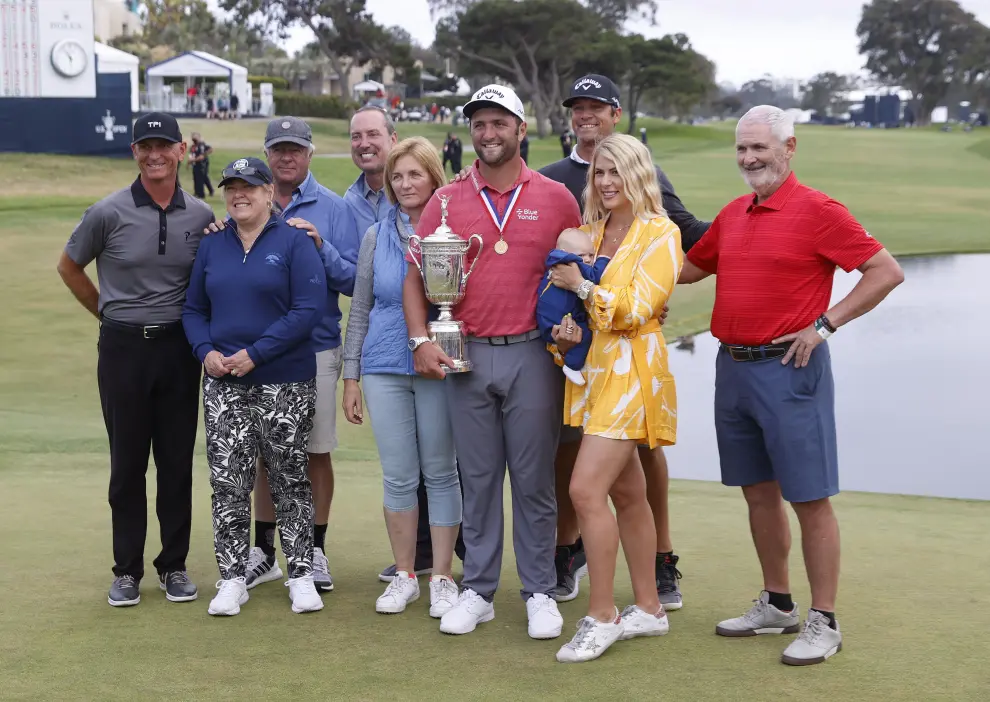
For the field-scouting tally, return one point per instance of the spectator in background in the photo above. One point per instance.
(234, 104)
(452, 151)
(524, 149)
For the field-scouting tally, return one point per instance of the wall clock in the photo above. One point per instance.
(69, 58)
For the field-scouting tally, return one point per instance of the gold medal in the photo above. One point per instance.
(501, 247)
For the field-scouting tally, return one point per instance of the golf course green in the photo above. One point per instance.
(914, 605)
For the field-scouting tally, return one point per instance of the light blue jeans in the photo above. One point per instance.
(411, 423)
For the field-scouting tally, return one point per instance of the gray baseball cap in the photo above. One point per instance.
(291, 129)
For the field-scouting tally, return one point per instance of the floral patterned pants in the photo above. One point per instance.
(241, 422)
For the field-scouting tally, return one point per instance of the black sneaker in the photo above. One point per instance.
(124, 591)
(177, 586)
(261, 568)
(667, 577)
(572, 565)
(388, 574)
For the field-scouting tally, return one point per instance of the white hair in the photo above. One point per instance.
(781, 124)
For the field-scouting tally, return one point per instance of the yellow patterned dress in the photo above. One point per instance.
(629, 392)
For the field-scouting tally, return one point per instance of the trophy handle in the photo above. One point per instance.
(412, 251)
(476, 256)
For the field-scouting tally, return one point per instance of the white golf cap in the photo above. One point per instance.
(495, 95)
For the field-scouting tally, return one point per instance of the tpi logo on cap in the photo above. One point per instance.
(154, 124)
(586, 83)
(240, 164)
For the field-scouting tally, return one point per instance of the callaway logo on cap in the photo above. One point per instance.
(496, 96)
(594, 87)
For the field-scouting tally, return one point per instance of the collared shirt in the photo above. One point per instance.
(334, 221)
(368, 206)
(500, 296)
(775, 261)
(144, 254)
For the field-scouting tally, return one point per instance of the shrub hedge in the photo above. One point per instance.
(302, 105)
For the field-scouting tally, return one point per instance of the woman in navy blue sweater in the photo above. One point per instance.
(256, 293)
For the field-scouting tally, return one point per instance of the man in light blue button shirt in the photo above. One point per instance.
(372, 137)
(289, 148)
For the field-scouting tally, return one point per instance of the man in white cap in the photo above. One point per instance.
(507, 410)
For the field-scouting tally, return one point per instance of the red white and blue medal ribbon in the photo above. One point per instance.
(500, 246)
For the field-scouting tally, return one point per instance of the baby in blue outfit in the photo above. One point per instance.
(553, 304)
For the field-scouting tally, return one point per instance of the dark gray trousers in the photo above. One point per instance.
(507, 412)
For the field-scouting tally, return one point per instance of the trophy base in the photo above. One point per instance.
(449, 336)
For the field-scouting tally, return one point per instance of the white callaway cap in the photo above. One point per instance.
(495, 95)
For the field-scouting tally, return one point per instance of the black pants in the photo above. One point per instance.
(455, 165)
(201, 180)
(424, 541)
(149, 389)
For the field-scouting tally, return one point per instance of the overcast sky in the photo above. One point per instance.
(745, 39)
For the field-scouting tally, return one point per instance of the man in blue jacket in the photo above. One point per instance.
(298, 196)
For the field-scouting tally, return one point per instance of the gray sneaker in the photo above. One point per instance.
(124, 591)
(388, 573)
(816, 643)
(762, 618)
(667, 576)
(321, 571)
(177, 586)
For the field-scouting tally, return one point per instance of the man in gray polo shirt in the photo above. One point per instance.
(144, 239)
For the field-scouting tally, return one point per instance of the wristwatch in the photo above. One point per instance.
(824, 327)
(417, 341)
(584, 289)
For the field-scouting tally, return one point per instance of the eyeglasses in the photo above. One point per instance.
(246, 171)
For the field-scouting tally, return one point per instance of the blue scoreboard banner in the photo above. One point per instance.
(99, 126)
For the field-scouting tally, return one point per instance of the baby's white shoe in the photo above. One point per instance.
(574, 376)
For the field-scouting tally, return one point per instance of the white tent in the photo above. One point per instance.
(197, 64)
(111, 60)
(368, 86)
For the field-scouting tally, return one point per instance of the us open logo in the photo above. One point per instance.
(110, 127)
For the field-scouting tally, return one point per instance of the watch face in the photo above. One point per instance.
(412, 344)
(69, 58)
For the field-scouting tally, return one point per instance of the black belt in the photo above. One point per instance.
(506, 340)
(147, 331)
(755, 353)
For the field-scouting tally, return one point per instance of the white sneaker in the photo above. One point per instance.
(545, 621)
(403, 589)
(591, 640)
(443, 595)
(639, 622)
(817, 642)
(302, 592)
(762, 618)
(261, 568)
(574, 376)
(470, 611)
(232, 594)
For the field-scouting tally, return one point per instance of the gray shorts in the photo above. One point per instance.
(777, 422)
(323, 439)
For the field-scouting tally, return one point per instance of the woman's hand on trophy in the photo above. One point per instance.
(427, 360)
(566, 335)
(352, 404)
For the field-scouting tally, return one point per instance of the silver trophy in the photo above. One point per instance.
(442, 257)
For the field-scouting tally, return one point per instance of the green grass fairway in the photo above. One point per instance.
(914, 600)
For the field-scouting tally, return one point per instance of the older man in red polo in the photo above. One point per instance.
(775, 253)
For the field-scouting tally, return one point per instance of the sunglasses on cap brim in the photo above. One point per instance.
(241, 172)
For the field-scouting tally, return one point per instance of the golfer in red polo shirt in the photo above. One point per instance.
(775, 254)
(507, 410)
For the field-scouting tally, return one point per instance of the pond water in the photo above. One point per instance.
(912, 385)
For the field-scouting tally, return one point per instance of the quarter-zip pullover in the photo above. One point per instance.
(267, 301)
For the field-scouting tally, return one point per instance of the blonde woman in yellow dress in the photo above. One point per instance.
(629, 395)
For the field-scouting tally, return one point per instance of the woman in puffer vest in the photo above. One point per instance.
(409, 413)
